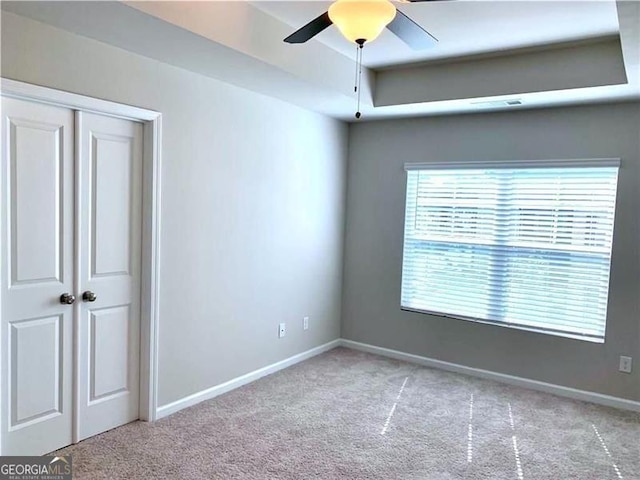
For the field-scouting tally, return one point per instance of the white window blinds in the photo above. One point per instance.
(520, 244)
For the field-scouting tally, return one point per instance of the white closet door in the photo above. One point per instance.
(109, 215)
(37, 268)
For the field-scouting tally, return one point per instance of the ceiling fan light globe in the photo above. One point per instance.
(361, 19)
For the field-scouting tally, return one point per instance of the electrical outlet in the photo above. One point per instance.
(305, 323)
(625, 364)
(282, 330)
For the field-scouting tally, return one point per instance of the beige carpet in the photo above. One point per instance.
(351, 415)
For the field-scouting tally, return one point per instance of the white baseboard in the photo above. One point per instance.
(225, 387)
(573, 393)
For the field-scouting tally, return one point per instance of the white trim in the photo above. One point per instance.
(151, 205)
(35, 93)
(237, 382)
(488, 164)
(150, 305)
(232, 384)
(77, 239)
(598, 398)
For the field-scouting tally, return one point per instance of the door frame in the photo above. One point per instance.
(151, 206)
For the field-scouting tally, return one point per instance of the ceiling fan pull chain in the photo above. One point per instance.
(359, 82)
(355, 81)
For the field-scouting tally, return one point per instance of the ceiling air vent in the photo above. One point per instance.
(512, 102)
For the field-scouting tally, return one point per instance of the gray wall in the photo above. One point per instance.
(374, 235)
(252, 206)
(252, 218)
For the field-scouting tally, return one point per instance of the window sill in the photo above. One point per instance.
(573, 336)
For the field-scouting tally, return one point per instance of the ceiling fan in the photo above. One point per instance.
(362, 21)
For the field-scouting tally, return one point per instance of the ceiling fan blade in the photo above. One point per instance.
(310, 30)
(410, 32)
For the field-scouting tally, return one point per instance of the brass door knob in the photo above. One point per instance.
(67, 299)
(89, 296)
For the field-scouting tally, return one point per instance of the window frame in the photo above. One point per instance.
(511, 164)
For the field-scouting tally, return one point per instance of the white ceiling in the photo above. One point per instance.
(241, 43)
(464, 27)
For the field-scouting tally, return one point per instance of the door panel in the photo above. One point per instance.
(35, 163)
(112, 168)
(36, 264)
(109, 197)
(109, 344)
(36, 381)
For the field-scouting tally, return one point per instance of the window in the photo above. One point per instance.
(522, 244)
